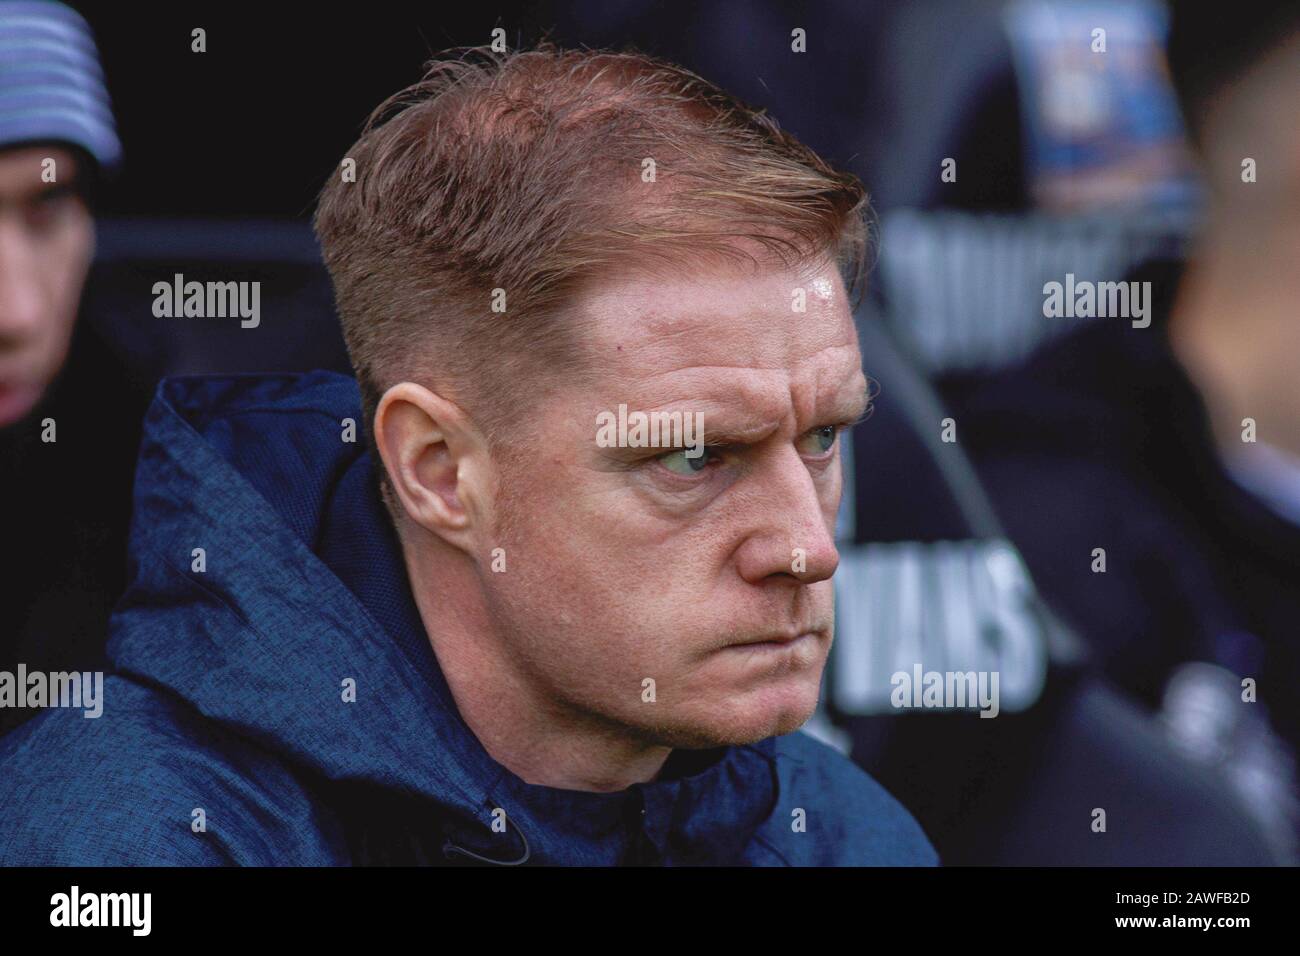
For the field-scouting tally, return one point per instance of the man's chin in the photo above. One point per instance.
(746, 720)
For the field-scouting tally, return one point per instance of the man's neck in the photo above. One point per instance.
(536, 737)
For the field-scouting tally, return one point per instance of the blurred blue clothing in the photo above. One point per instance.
(227, 735)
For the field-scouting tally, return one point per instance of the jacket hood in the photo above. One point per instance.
(268, 589)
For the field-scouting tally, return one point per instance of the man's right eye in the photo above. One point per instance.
(679, 463)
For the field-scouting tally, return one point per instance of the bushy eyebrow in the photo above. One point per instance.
(854, 410)
(737, 431)
(731, 426)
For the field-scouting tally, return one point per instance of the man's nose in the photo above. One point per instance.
(794, 538)
(21, 302)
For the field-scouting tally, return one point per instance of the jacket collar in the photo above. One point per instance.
(704, 805)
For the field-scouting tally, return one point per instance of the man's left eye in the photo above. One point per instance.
(819, 440)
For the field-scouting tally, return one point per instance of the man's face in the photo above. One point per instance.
(710, 575)
(46, 243)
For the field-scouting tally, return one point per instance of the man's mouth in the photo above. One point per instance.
(775, 642)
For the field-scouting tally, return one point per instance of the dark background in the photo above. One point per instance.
(253, 126)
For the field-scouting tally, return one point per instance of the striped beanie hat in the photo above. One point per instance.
(51, 84)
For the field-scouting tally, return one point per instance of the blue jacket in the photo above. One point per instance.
(226, 736)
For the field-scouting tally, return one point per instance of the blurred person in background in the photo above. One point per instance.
(1175, 448)
(69, 415)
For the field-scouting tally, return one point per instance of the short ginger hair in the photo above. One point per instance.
(533, 172)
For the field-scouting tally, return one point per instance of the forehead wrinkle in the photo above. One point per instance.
(744, 405)
(780, 366)
(634, 323)
(755, 393)
(718, 333)
(751, 347)
(740, 395)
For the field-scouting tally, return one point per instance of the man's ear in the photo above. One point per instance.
(436, 461)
